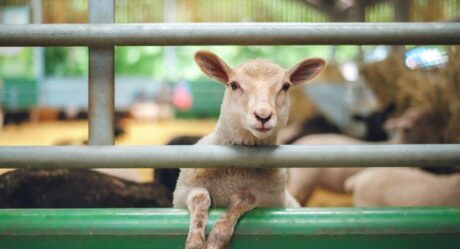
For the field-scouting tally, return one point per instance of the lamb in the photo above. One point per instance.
(302, 181)
(416, 125)
(377, 187)
(254, 108)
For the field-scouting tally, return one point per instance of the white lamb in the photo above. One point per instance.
(378, 187)
(303, 181)
(254, 108)
(416, 125)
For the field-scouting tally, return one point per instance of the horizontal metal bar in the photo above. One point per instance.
(261, 228)
(229, 34)
(213, 156)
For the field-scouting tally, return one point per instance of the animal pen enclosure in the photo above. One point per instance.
(166, 228)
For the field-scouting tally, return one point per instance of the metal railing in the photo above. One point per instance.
(167, 228)
(101, 79)
(103, 36)
(211, 156)
(230, 34)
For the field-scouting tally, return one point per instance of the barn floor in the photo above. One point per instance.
(137, 133)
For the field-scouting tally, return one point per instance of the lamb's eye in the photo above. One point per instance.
(286, 87)
(234, 85)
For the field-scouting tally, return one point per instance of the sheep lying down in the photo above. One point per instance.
(416, 125)
(376, 187)
(254, 108)
(303, 181)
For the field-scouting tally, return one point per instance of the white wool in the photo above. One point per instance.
(412, 127)
(255, 106)
(378, 187)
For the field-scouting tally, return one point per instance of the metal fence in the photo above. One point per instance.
(167, 228)
(230, 34)
(102, 35)
(211, 156)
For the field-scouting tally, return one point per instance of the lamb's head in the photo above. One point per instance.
(416, 126)
(256, 94)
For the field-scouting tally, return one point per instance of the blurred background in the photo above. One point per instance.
(162, 95)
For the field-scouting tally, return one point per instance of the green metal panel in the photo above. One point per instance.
(19, 93)
(207, 98)
(262, 228)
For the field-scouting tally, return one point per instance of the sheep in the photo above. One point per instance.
(374, 123)
(315, 125)
(416, 125)
(302, 181)
(408, 186)
(377, 187)
(308, 119)
(77, 188)
(255, 106)
(168, 177)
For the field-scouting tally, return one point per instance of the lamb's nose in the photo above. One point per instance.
(263, 118)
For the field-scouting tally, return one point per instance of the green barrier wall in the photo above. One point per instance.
(262, 228)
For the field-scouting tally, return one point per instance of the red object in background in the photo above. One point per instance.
(182, 97)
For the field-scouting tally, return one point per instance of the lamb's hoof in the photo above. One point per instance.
(196, 242)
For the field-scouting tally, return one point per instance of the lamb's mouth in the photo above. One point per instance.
(262, 129)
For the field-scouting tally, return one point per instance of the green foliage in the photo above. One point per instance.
(134, 61)
(150, 60)
(66, 61)
(286, 56)
(346, 53)
(16, 62)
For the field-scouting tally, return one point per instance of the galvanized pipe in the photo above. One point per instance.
(101, 88)
(229, 34)
(214, 156)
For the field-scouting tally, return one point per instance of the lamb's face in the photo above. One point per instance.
(257, 91)
(257, 96)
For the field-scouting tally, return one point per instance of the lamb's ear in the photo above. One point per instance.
(305, 71)
(213, 66)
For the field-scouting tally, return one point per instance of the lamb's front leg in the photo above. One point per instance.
(240, 202)
(198, 202)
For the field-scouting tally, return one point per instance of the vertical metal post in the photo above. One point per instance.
(402, 9)
(170, 51)
(359, 15)
(39, 55)
(101, 79)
